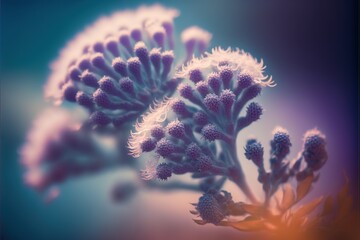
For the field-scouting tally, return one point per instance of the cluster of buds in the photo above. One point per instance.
(116, 68)
(314, 153)
(217, 88)
(58, 149)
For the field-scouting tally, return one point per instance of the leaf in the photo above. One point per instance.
(236, 209)
(307, 208)
(288, 197)
(200, 221)
(304, 187)
(254, 210)
(344, 192)
(345, 201)
(248, 225)
(328, 206)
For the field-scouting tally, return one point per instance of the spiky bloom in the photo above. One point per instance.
(213, 206)
(56, 149)
(280, 144)
(163, 171)
(314, 152)
(176, 129)
(254, 111)
(117, 66)
(209, 209)
(254, 151)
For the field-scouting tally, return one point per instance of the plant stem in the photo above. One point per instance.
(237, 175)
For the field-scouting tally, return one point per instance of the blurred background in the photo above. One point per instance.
(309, 48)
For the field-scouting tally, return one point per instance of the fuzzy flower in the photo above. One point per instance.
(221, 84)
(117, 66)
(314, 152)
(213, 206)
(280, 145)
(56, 149)
(254, 151)
(46, 128)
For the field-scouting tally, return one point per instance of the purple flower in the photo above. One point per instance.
(280, 145)
(57, 149)
(120, 64)
(314, 152)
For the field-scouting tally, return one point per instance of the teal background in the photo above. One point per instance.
(309, 48)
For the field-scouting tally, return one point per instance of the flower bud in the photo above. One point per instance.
(212, 102)
(176, 129)
(253, 111)
(163, 171)
(165, 148)
(255, 152)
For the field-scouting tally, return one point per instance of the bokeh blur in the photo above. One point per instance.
(309, 48)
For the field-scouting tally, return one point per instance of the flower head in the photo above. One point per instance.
(280, 145)
(314, 152)
(118, 66)
(213, 206)
(57, 149)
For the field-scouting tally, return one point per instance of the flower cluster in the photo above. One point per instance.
(217, 87)
(281, 170)
(123, 71)
(116, 68)
(57, 149)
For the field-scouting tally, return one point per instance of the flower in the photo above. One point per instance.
(118, 66)
(314, 152)
(57, 149)
(280, 145)
(213, 206)
(254, 151)
(48, 127)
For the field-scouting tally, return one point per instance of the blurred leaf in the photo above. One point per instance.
(307, 208)
(344, 192)
(248, 225)
(254, 210)
(236, 209)
(313, 223)
(328, 206)
(304, 187)
(288, 197)
(200, 221)
(345, 201)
